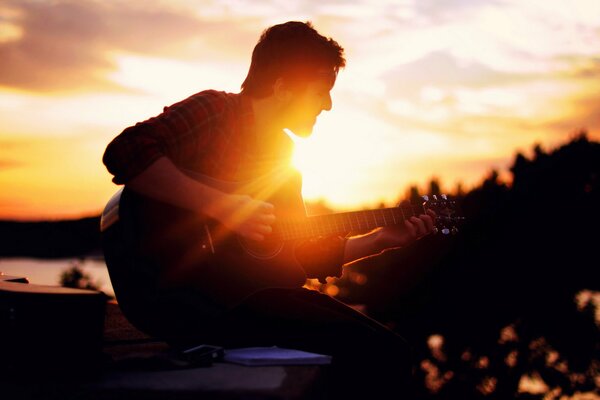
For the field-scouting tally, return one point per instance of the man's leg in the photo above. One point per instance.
(368, 358)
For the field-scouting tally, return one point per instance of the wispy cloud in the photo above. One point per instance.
(8, 164)
(70, 45)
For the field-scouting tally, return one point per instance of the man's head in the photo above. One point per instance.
(295, 52)
(296, 67)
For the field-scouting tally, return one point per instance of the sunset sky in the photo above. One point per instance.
(450, 89)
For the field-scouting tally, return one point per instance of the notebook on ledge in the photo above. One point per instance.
(264, 356)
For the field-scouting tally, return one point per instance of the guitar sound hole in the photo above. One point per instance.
(267, 248)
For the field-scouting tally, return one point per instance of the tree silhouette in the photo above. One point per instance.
(502, 292)
(76, 277)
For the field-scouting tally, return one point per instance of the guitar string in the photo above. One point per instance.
(342, 222)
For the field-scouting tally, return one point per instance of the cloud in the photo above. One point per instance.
(441, 69)
(9, 164)
(65, 46)
(435, 12)
(9, 147)
(583, 67)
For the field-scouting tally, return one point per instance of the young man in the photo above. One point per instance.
(239, 138)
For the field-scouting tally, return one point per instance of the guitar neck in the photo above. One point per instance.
(343, 223)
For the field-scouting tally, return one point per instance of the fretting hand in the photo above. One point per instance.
(413, 229)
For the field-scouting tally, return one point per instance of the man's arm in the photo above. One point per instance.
(242, 214)
(375, 242)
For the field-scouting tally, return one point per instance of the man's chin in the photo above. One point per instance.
(303, 131)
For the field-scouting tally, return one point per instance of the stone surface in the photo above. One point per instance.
(136, 366)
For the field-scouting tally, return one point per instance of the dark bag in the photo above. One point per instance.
(50, 329)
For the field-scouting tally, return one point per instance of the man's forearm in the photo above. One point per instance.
(164, 182)
(358, 247)
(239, 213)
(389, 237)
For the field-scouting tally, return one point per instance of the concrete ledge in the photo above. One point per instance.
(132, 370)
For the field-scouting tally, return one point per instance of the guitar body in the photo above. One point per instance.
(173, 248)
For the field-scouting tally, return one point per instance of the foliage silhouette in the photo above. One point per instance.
(76, 277)
(50, 239)
(524, 252)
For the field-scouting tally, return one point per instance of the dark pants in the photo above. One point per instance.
(369, 360)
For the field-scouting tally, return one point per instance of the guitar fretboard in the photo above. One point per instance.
(343, 223)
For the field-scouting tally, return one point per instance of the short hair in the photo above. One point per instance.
(294, 51)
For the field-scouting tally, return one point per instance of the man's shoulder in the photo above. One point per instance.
(209, 101)
(214, 99)
(216, 95)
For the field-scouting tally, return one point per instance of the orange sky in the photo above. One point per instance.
(448, 89)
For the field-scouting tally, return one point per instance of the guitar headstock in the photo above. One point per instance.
(445, 208)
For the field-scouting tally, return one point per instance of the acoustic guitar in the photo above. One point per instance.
(147, 242)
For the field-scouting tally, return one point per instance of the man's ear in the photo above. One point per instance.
(281, 91)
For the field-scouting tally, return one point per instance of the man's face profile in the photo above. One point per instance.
(304, 106)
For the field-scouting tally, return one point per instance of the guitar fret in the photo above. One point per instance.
(388, 220)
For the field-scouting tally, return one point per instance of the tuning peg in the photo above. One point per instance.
(434, 197)
(454, 230)
(444, 197)
(435, 230)
(425, 198)
(445, 231)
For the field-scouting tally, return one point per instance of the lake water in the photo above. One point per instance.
(47, 272)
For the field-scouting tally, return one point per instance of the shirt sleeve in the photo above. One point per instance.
(176, 133)
(322, 257)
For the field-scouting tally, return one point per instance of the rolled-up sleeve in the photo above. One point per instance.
(130, 153)
(175, 133)
(322, 257)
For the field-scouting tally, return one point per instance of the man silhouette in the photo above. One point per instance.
(239, 137)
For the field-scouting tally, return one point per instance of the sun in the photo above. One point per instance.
(334, 163)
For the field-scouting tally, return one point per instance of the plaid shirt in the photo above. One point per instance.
(212, 133)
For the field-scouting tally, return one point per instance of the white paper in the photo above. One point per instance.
(274, 356)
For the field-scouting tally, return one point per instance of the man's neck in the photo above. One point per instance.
(269, 127)
(266, 116)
